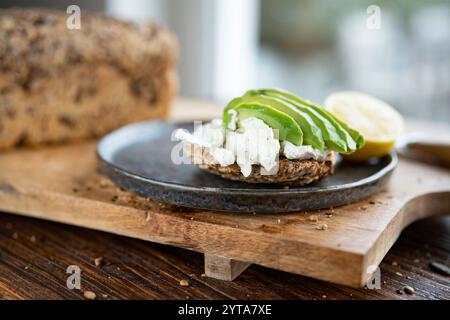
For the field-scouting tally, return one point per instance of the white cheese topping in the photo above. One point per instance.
(251, 142)
(208, 135)
(254, 145)
(223, 156)
(211, 136)
(291, 151)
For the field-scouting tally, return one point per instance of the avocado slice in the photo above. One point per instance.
(312, 134)
(353, 138)
(286, 126)
(332, 138)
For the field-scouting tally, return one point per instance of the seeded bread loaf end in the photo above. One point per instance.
(58, 84)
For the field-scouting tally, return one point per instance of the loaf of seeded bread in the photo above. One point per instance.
(59, 85)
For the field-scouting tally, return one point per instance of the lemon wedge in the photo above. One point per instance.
(378, 122)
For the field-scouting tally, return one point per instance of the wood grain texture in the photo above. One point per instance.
(62, 184)
(34, 255)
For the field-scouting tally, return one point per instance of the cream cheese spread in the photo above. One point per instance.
(254, 143)
(293, 152)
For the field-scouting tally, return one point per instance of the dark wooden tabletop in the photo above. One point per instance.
(34, 256)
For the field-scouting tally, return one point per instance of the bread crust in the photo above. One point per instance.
(290, 172)
(58, 84)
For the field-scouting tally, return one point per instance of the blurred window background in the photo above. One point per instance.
(311, 47)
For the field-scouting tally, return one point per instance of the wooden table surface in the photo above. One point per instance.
(35, 254)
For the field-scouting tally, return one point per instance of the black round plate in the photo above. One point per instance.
(138, 158)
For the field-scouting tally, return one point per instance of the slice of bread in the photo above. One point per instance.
(59, 85)
(290, 172)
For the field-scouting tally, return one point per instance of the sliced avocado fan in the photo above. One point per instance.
(283, 110)
(312, 134)
(344, 130)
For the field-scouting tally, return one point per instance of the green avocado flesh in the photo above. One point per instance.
(286, 127)
(316, 126)
(344, 130)
(312, 134)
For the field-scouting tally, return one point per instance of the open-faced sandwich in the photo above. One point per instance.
(270, 136)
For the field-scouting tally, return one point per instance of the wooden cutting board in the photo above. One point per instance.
(341, 245)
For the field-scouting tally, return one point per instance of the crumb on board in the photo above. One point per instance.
(98, 261)
(408, 290)
(322, 226)
(314, 218)
(103, 183)
(89, 295)
(184, 283)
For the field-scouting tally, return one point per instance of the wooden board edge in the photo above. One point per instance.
(419, 207)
